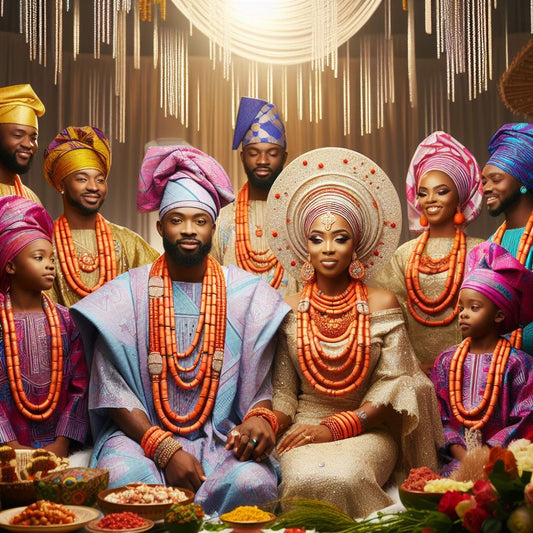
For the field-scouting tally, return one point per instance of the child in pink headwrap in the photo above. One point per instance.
(43, 372)
(484, 385)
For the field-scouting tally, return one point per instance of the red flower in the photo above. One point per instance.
(473, 518)
(485, 494)
(449, 501)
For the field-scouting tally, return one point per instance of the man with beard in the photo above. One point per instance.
(180, 385)
(19, 109)
(90, 250)
(240, 238)
(508, 189)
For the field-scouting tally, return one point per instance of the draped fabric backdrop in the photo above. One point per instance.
(72, 102)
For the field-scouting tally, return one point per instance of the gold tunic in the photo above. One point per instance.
(131, 251)
(9, 190)
(224, 241)
(428, 342)
(350, 473)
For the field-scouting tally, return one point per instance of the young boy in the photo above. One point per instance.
(484, 386)
(43, 372)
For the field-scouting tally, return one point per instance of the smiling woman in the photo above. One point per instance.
(444, 195)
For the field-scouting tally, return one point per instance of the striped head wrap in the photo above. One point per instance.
(494, 272)
(174, 176)
(73, 149)
(440, 151)
(511, 149)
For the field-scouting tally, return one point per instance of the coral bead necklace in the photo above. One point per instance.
(164, 357)
(471, 417)
(247, 258)
(455, 264)
(345, 371)
(30, 410)
(71, 265)
(19, 189)
(524, 247)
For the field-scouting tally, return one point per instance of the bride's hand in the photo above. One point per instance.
(305, 434)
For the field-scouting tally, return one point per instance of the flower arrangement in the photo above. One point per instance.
(500, 501)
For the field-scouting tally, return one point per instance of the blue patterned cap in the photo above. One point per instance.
(511, 149)
(258, 122)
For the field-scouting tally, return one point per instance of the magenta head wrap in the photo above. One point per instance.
(494, 272)
(21, 222)
(205, 183)
(440, 151)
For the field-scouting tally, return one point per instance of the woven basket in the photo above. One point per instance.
(18, 493)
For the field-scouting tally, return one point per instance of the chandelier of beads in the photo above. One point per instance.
(280, 42)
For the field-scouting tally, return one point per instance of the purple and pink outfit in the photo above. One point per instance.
(493, 272)
(22, 222)
(114, 322)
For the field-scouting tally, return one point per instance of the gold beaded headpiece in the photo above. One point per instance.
(345, 183)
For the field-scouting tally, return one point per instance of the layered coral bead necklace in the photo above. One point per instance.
(472, 418)
(454, 264)
(72, 266)
(351, 364)
(524, 246)
(247, 258)
(30, 410)
(164, 357)
(19, 189)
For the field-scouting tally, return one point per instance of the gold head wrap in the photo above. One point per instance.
(20, 105)
(338, 181)
(76, 148)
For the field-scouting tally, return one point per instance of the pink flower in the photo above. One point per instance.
(528, 494)
(474, 517)
(485, 494)
(449, 502)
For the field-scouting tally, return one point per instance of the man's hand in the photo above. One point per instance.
(184, 471)
(253, 439)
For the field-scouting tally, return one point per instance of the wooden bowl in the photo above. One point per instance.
(154, 511)
(249, 525)
(418, 499)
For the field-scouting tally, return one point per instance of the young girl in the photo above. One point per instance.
(484, 386)
(43, 373)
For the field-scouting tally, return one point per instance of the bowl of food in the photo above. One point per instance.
(117, 522)
(248, 517)
(184, 518)
(147, 500)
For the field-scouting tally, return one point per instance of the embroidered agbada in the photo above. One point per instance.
(70, 419)
(258, 122)
(511, 149)
(440, 151)
(76, 148)
(9, 190)
(114, 324)
(21, 222)
(131, 251)
(20, 105)
(224, 250)
(513, 414)
(350, 473)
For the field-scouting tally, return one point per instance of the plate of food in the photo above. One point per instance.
(248, 517)
(120, 522)
(147, 500)
(48, 517)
